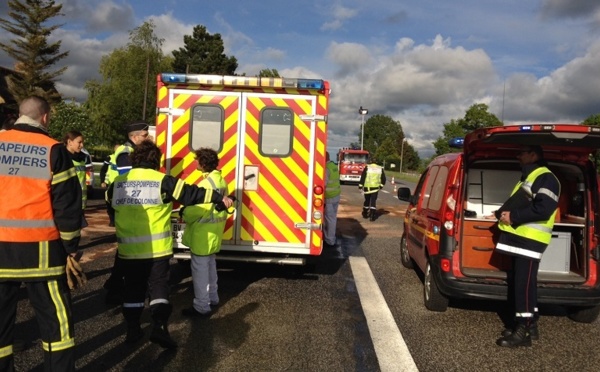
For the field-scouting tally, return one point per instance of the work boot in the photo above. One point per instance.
(160, 332)
(160, 335)
(519, 337)
(365, 213)
(533, 332)
(134, 333)
(373, 215)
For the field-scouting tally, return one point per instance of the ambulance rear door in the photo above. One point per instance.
(266, 143)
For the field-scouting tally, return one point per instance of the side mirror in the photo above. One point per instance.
(404, 194)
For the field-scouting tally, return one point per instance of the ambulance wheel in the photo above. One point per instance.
(584, 314)
(433, 298)
(404, 256)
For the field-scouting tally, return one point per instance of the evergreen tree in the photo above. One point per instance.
(203, 53)
(33, 54)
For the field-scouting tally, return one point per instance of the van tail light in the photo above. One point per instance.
(445, 265)
(449, 214)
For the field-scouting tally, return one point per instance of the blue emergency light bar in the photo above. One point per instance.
(242, 81)
(457, 142)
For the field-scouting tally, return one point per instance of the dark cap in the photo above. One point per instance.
(135, 126)
(534, 148)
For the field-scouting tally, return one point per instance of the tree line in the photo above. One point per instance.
(127, 85)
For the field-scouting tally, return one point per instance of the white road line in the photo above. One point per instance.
(392, 353)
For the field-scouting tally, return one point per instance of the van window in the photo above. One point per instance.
(433, 171)
(206, 127)
(435, 187)
(437, 191)
(276, 132)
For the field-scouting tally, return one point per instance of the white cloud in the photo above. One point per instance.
(339, 15)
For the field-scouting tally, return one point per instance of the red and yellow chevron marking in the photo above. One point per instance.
(281, 200)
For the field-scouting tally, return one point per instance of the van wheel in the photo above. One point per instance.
(584, 314)
(433, 298)
(404, 256)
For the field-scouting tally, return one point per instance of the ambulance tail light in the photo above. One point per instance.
(318, 190)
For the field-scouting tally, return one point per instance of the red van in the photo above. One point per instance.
(448, 238)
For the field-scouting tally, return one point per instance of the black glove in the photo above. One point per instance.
(220, 206)
(181, 212)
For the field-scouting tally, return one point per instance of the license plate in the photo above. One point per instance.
(177, 231)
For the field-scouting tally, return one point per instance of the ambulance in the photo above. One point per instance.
(271, 135)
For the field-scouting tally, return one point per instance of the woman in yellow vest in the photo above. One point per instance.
(142, 202)
(73, 141)
(203, 234)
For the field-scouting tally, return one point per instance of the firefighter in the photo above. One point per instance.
(525, 221)
(73, 141)
(332, 201)
(40, 220)
(136, 133)
(142, 202)
(203, 234)
(371, 181)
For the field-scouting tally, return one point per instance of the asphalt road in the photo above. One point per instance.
(276, 318)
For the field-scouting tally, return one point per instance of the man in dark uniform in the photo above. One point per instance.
(525, 221)
(40, 221)
(137, 132)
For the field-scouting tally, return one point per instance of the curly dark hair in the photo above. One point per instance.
(146, 152)
(207, 158)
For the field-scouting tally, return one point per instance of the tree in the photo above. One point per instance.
(71, 116)
(203, 53)
(477, 116)
(268, 73)
(383, 138)
(592, 120)
(128, 86)
(33, 54)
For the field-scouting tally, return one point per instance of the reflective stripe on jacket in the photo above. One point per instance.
(142, 219)
(540, 231)
(123, 149)
(80, 169)
(333, 188)
(373, 179)
(111, 172)
(25, 164)
(204, 225)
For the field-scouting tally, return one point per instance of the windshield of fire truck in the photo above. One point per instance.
(355, 158)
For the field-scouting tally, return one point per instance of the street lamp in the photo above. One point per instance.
(362, 113)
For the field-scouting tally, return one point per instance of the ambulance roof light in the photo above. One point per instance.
(172, 78)
(310, 84)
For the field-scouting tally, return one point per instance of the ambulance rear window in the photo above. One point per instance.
(276, 132)
(206, 127)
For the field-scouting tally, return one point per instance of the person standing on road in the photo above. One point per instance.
(142, 202)
(73, 141)
(108, 172)
(137, 132)
(203, 234)
(371, 181)
(525, 221)
(332, 201)
(40, 221)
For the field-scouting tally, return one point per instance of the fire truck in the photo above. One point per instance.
(351, 163)
(271, 135)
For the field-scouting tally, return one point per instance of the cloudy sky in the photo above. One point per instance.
(421, 62)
